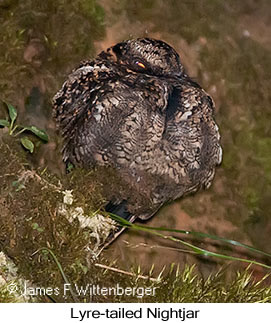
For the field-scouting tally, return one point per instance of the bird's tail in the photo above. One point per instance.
(121, 210)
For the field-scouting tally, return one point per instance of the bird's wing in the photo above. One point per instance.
(100, 114)
(191, 137)
(78, 109)
(75, 97)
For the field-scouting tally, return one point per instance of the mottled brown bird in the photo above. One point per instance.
(134, 109)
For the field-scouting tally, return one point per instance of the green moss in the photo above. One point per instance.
(235, 67)
(49, 251)
(174, 287)
(46, 37)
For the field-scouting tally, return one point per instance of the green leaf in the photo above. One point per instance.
(28, 144)
(35, 226)
(70, 167)
(18, 185)
(12, 112)
(39, 133)
(4, 123)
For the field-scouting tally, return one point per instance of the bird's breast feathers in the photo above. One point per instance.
(135, 121)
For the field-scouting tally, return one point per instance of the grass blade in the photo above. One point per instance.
(60, 269)
(197, 250)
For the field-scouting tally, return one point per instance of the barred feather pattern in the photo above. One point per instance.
(149, 121)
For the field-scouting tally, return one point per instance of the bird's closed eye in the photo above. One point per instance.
(140, 64)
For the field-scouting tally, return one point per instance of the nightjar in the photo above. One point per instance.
(134, 109)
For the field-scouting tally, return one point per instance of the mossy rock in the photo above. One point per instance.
(49, 249)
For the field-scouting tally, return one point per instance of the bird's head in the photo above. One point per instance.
(148, 56)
